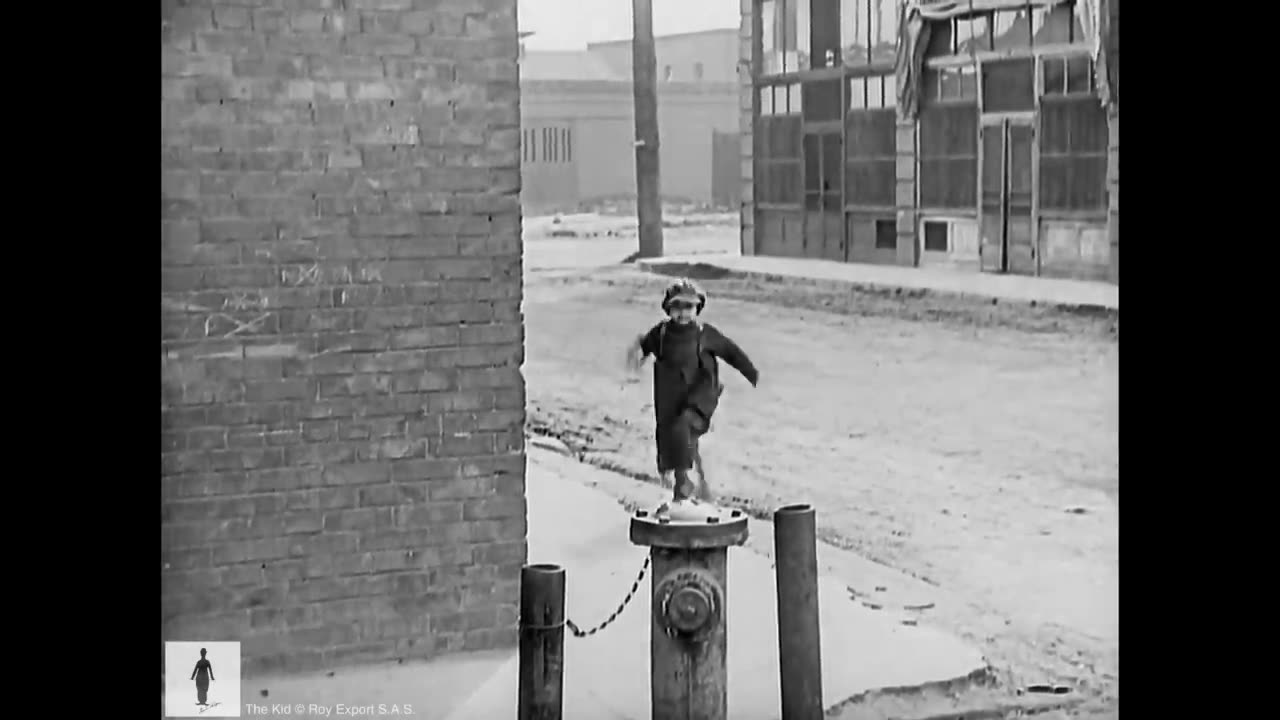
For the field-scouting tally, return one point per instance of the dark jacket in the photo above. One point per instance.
(684, 378)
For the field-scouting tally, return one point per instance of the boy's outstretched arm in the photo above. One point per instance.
(635, 354)
(642, 347)
(737, 359)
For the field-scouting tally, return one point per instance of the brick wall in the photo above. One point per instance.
(341, 395)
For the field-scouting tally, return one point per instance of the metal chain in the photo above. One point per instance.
(578, 632)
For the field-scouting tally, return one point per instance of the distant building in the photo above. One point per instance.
(577, 126)
(979, 135)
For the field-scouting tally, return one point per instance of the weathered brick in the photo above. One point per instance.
(425, 381)
(393, 494)
(231, 17)
(498, 553)
(176, 63)
(467, 445)
(387, 226)
(385, 5)
(230, 43)
(406, 134)
(495, 508)
(477, 378)
(492, 334)
(428, 514)
(307, 21)
(346, 67)
(270, 21)
(238, 230)
(300, 44)
(381, 43)
(417, 69)
(270, 66)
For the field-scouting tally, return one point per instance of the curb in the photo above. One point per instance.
(709, 271)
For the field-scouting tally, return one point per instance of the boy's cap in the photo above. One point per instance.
(684, 290)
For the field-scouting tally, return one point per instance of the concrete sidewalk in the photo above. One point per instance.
(1018, 288)
(583, 529)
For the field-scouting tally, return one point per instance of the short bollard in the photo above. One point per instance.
(799, 651)
(541, 642)
(687, 639)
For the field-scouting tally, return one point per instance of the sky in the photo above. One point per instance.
(571, 24)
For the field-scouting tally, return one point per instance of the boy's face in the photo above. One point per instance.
(681, 311)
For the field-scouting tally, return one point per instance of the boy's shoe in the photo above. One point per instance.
(685, 488)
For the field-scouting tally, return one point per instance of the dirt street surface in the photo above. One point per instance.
(970, 445)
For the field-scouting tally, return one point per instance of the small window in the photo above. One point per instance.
(697, 71)
(1009, 85)
(886, 235)
(977, 36)
(935, 237)
(1051, 26)
(766, 100)
(858, 93)
(1079, 75)
(941, 38)
(1012, 29)
(949, 83)
(960, 83)
(794, 104)
(1055, 75)
(968, 83)
(1067, 76)
(962, 36)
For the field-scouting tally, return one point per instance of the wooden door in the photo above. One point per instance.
(1006, 207)
(992, 202)
(824, 216)
(1019, 186)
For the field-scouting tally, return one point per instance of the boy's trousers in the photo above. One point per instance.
(678, 441)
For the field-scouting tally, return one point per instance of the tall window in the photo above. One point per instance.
(785, 38)
(871, 148)
(949, 156)
(1073, 138)
(778, 178)
(869, 31)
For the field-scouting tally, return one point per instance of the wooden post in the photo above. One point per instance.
(541, 690)
(644, 72)
(799, 654)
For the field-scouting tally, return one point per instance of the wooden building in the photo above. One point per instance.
(977, 135)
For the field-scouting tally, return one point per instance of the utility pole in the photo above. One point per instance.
(644, 71)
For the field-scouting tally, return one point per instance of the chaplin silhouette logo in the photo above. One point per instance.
(201, 679)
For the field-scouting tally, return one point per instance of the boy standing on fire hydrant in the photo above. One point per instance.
(686, 383)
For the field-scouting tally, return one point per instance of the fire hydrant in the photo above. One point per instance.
(689, 545)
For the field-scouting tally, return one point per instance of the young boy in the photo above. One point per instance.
(686, 382)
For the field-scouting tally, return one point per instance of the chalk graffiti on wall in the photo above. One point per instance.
(297, 276)
(214, 324)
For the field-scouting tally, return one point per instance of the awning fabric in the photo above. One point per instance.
(914, 38)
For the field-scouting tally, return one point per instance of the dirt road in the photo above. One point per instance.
(974, 447)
